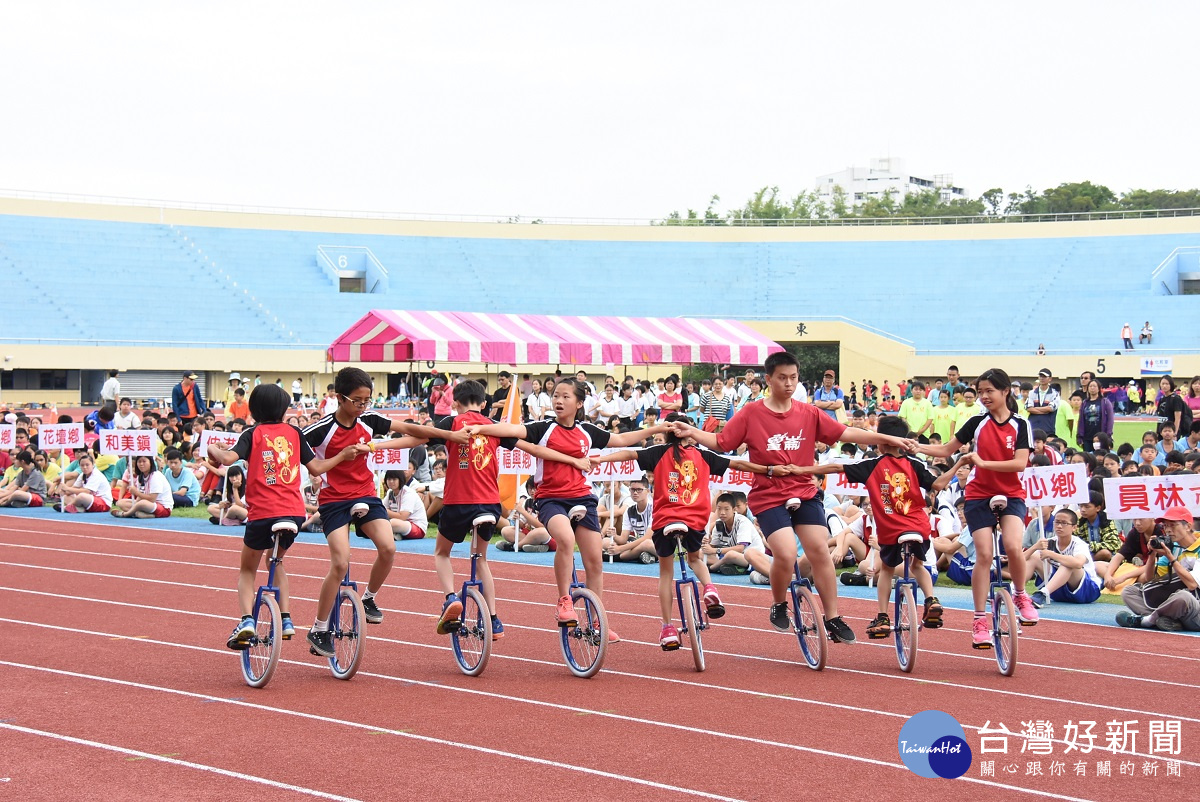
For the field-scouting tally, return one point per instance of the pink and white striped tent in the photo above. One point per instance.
(397, 335)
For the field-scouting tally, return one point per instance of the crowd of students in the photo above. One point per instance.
(682, 443)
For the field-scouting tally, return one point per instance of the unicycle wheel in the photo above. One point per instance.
(691, 622)
(346, 629)
(585, 644)
(810, 626)
(472, 641)
(1004, 631)
(907, 627)
(262, 656)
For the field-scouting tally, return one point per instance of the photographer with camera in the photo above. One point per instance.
(1166, 597)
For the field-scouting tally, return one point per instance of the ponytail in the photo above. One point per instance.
(672, 438)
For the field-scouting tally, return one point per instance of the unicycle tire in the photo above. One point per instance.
(585, 644)
(1004, 631)
(472, 641)
(262, 656)
(346, 630)
(907, 627)
(691, 622)
(810, 626)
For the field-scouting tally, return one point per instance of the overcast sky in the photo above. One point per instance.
(562, 109)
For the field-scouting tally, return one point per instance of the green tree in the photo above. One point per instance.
(1137, 199)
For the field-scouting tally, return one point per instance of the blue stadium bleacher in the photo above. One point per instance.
(251, 287)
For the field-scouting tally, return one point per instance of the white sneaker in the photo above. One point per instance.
(759, 579)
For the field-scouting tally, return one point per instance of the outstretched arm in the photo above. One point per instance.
(754, 467)
(633, 438)
(706, 439)
(497, 430)
(317, 467)
(399, 442)
(541, 452)
(426, 433)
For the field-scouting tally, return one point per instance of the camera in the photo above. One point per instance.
(1158, 543)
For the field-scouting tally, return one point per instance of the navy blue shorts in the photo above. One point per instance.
(260, 537)
(664, 545)
(810, 513)
(960, 570)
(1086, 593)
(979, 513)
(456, 520)
(891, 554)
(547, 508)
(336, 514)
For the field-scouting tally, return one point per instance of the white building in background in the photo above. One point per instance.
(862, 183)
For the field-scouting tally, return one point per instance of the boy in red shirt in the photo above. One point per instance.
(273, 452)
(892, 482)
(783, 432)
(472, 489)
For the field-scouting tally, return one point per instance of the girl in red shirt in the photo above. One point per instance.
(561, 486)
(681, 494)
(1000, 445)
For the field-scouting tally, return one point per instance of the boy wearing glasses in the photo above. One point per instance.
(1065, 562)
(348, 495)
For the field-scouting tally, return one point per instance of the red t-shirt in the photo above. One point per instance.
(995, 442)
(273, 453)
(472, 470)
(354, 479)
(775, 438)
(669, 398)
(681, 486)
(558, 479)
(894, 487)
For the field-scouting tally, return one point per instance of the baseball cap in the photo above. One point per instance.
(1132, 383)
(830, 373)
(1045, 372)
(190, 375)
(1182, 514)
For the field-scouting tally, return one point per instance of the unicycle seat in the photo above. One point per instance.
(577, 512)
(483, 520)
(910, 537)
(793, 504)
(285, 526)
(998, 503)
(359, 510)
(675, 528)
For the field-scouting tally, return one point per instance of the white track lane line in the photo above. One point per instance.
(626, 674)
(235, 775)
(980, 659)
(429, 739)
(731, 605)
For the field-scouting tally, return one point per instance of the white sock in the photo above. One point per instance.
(321, 626)
(368, 595)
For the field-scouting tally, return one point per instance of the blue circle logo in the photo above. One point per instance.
(933, 744)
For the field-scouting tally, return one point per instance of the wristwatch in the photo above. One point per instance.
(771, 471)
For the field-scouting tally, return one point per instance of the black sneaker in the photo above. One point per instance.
(374, 614)
(504, 545)
(854, 578)
(320, 643)
(838, 631)
(879, 628)
(214, 520)
(780, 618)
(933, 613)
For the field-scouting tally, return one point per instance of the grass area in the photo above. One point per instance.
(200, 512)
(944, 581)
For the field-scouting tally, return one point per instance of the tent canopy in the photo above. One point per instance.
(396, 335)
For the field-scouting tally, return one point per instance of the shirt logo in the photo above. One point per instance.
(785, 442)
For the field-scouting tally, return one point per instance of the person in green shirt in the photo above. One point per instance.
(944, 417)
(917, 412)
(1067, 416)
(968, 409)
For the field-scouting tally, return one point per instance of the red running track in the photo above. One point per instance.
(117, 653)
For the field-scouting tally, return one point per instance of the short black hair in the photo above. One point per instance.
(469, 393)
(240, 392)
(727, 498)
(779, 359)
(269, 403)
(25, 458)
(349, 379)
(1067, 511)
(173, 453)
(105, 413)
(893, 425)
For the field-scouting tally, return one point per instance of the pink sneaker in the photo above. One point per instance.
(1027, 614)
(981, 634)
(669, 639)
(565, 613)
(613, 637)
(712, 602)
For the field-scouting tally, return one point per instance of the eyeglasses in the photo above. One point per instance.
(637, 490)
(1063, 523)
(358, 404)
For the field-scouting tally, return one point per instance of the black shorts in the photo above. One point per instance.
(810, 513)
(979, 514)
(336, 514)
(547, 508)
(664, 545)
(260, 537)
(891, 553)
(456, 520)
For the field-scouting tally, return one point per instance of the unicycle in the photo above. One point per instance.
(907, 624)
(345, 628)
(471, 633)
(1004, 613)
(261, 655)
(807, 619)
(687, 594)
(584, 640)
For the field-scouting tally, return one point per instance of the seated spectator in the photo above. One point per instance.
(126, 418)
(1147, 335)
(89, 491)
(312, 521)
(1098, 532)
(149, 494)
(1064, 563)
(1148, 453)
(605, 496)
(231, 509)
(185, 488)
(28, 486)
(406, 511)
(431, 492)
(1134, 552)
(528, 534)
(1167, 444)
(630, 543)
(1177, 559)
(729, 537)
(49, 470)
(102, 418)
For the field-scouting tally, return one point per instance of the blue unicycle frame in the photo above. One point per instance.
(346, 621)
(692, 615)
(906, 624)
(261, 655)
(471, 639)
(1004, 615)
(585, 644)
(807, 621)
